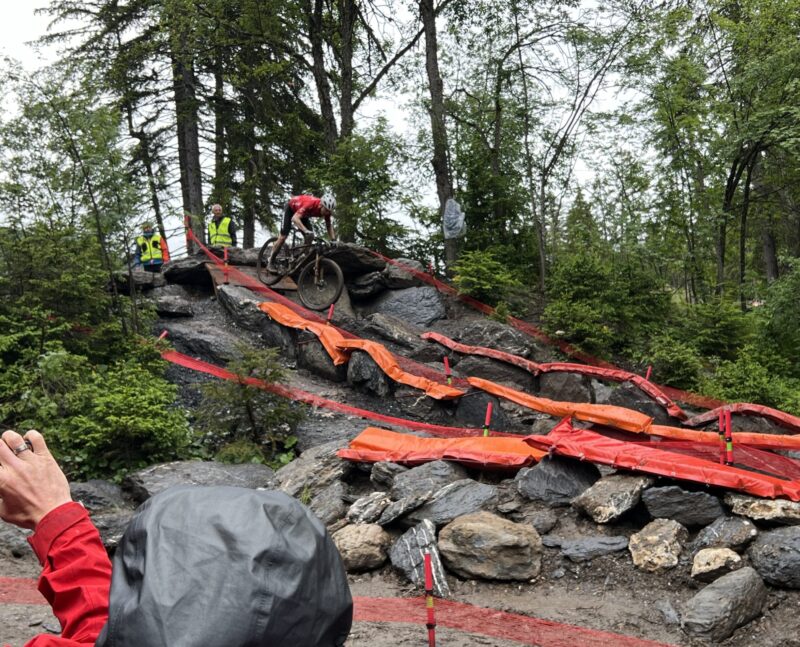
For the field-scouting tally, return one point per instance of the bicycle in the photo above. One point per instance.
(320, 280)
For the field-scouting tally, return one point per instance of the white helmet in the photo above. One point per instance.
(329, 202)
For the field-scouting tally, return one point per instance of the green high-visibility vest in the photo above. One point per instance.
(219, 235)
(150, 248)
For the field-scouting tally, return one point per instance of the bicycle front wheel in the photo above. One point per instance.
(320, 286)
(282, 262)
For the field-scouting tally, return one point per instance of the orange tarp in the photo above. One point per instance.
(762, 441)
(375, 444)
(604, 414)
(339, 349)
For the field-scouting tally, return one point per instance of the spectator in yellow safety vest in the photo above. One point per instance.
(151, 250)
(221, 229)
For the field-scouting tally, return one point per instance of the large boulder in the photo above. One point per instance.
(687, 508)
(356, 260)
(365, 374)
(730, 602)
(203, 339)
(471, 411)
(455, 500)
(407, 555)
(556, 480)
(398, 509)
(726, 532)
(112, 525)
(632, 397)
(496, 371)
(775, 554)
(428, 478)
(493, 334)
(14, 541)
(97, 495)
(328, 503)
(712, 563)
(565, 387)
(313, 471)
(190, 270)
(383, 473)
(366, 286)
(657, 547)
(143, 484)
(776, 511)
(419, 306)
(312, 356)
(243, 307)
(368, 509)
(483, 545)
(142, 281)
(611, 497)
(362, 547)
(397, 278)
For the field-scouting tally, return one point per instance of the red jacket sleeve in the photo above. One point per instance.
(75, 578)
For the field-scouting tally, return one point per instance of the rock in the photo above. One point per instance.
(687, 508)
(142, 281)
(611, 497)
(328, 504)
(97, 495)
(397, 278)
(313, 471)
(711, 563)
(775, 554)
(455, 500)
(668, 612)
(397, 509)
(419, 306)
(203, 339)
(430, 477)
(111, 526)
(582, 550)
(143, 484)
(483, 545)
(556, 480)
(496, 371)
(391, 328)
(368, 509)
(755, 424)
(631, 397)
(383, 473)
(601, 391)
(243, 307)
(471, 411)
(657, 547)
(362, 547)
(407, 555)
(415, 404)
(726, 532)
(720, 608)
(565, 387)
(312, 356)
(239, 256)
(365, 374)
(493, 334)
(321, 426)
(774, 510)
(543, 521)
(366, 286)
(356, 260)
(173, 306)
(190, 270)
(14, 541)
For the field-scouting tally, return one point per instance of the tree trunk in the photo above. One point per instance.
(770, 253)
(444, 183)
(743, 232)
(347, 17)
(314, 15)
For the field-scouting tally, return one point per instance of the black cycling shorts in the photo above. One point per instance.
(286, 227)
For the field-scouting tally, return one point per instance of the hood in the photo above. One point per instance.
(226, 567)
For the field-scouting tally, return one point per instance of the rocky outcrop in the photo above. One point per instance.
(775, 554)
(312, 472)
(427, 478)
(363, 373)
(419, 306)
(455, 500)
(564, 387)
(657, 547)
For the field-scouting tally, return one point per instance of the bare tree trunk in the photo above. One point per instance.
(444, 182)
(314, 15)
(743, 232)
(347, 17)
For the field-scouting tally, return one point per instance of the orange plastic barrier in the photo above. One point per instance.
(616, 375)
(587, 445)
(604, 414)
(338, 348)
(751, 439)
(375, 444)
(776, 415)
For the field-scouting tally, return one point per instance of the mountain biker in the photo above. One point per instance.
(297, 212)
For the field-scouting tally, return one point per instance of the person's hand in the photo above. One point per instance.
(31, 482)
(308, 237)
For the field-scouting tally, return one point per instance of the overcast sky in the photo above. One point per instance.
(18, 26)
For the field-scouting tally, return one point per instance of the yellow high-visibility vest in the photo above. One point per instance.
(150, 248)
(220, 235)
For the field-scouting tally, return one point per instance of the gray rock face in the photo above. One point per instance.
(726, 532)
(383, 473)
(312, 356)
(366, 286)
(583, 550)
(471, 411)
(328, 504)
(173, 306)
(455, 500)
(190, 270)
(496, 371)
(142, 281)
(489, 547)
(720, 608)
(203, 339)
(419, 306)
(313, 471)
(363, 373)
(407, 555)
(368, 509)
(687, 508)
(430, 477)
(14, 541)
(243, 307)
(611, 496)
(362, 547)
(712, 563)
(356, 260)
(772, 510)
(565, 387)
(657, 547)
(555, 480)
(111, 526)
(493, 334)
(97, 495)
(775, 554)
(631, 397)
(150, 481)
(397, 509)
(397, 278)
(321, 426)
(393, 329)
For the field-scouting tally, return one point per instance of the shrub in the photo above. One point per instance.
(717, 329)
(479, 274)
(674, 362)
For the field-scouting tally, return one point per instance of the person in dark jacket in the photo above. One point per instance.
(197, 566)
(221, 229)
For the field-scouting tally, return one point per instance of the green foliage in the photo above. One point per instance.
(481, 275)
(242, 423)
(674, 362)
(717, 329)
(780, 316)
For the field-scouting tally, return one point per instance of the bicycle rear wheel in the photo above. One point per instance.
(319, 289)
(282, 262)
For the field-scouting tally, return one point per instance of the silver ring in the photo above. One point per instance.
(21, 448)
